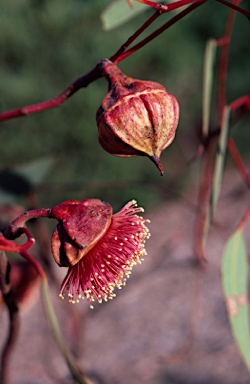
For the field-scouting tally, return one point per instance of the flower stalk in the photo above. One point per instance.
(14, 319)
(77, 374)
(10, 302)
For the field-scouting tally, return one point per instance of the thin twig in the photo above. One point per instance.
(235, 7)
(238, 161)
(241, 102)
(244, 220)
(225, 43)
(160, 30)
(77, 374)
(181, 3)
(14, 321)
(132, 38)
(167, 7)
(81, 82)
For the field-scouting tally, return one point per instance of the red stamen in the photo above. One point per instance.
(109, 263)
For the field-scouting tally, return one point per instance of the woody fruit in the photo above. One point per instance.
(136, 118)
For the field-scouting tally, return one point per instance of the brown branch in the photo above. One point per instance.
(160, 30)
(238, 161)
(241, 102)
(81, 82)
(14, 321)
(225, 43)
(132, 38)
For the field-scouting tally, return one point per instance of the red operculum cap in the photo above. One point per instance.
(81, 224)
(109, 262)
(136, 118)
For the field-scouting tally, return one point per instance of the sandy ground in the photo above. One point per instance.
(167, 326)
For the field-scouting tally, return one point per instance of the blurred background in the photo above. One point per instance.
(169, 325)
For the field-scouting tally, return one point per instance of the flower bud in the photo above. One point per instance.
(136, 118)
(81, 225)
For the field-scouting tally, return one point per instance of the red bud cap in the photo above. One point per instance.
(136, 118)
(81, 225)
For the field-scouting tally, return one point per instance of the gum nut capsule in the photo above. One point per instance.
(136, 118)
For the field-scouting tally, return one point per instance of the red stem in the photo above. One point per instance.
(233, 6)
(243, 101)
(238, 161)
(34, 262)
(17, 228)
(81, 82)
(132, 38)
(159, 7)
(14, 320)
(32, 214)
(163, 8)
(225, 42)
(8, 245)
(160, 30)
(179, 4)
(244, 220)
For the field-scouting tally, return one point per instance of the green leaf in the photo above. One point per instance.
(218, 170)
(7, 198)
(55, 327)
(119, 12)
(18, 179)
(36, 170)
(208, 71)
(219, 161)
(234, 281)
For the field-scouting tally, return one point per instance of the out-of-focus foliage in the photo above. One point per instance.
(118, 13)
(46, 44)
(235, 286)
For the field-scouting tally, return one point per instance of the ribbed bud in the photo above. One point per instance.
(136, 118)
